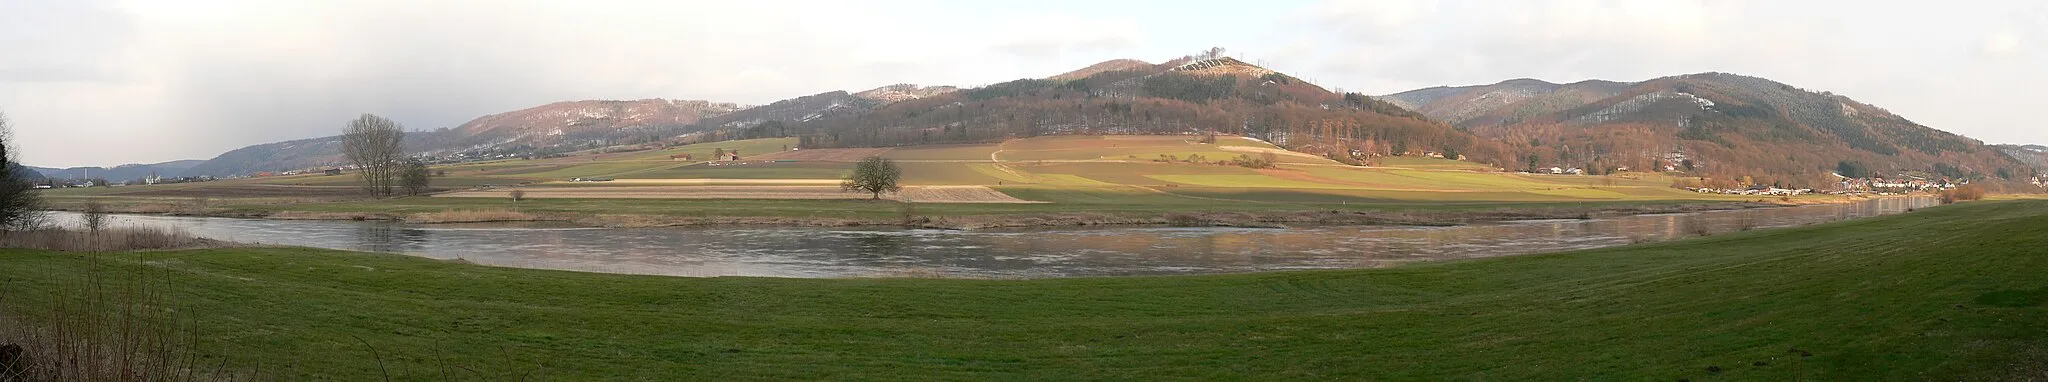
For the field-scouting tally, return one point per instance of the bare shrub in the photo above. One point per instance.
(517, 195)
(1746, 222)
(1696, 224)
(94, 216)
(1182, 219)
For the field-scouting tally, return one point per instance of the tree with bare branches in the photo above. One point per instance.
(376, 146)
(20, 204)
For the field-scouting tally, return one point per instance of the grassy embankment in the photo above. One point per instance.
(1115, 178)
(1944, 293)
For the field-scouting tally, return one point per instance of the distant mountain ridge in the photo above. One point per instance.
(551, 125)
(568, 120)
(1187, 95)
(171, 169)
(24, 172)
(1725, 125)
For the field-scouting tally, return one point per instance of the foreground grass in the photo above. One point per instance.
(1946, 293)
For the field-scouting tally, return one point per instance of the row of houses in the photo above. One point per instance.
(1755, 191)
(1908, 184)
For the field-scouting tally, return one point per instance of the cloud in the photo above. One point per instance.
(111, 81)
(1054, 35)
(202, 77)
(42, 45)
(2001, 43)
(1920, 61)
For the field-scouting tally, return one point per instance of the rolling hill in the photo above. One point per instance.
(1719, 125)
(580, 120)
(123, 172)
(560, 126)
(1188, 95)
(25, 172)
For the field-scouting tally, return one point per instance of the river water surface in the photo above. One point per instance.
(1038, 253)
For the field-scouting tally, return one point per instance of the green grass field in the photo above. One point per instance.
(1947, 293)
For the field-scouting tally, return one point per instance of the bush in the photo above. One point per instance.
(1265, 160)
(1967, 192)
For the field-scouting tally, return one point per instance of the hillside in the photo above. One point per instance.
(2032, 155)
(554, 127)
(124, 172)
(1105, 66)
(1183, 96)
(25, 172)
(1714, 124)
(1506, 102)
(796, 110)
(903, 92)
(584, 120)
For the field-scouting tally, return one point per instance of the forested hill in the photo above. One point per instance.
(1718, 125)
(1183, 96)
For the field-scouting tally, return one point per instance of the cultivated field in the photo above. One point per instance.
(1064, 174)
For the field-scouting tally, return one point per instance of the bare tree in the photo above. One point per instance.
(20, 204)
(417, 178)
(94, 217)
(376, 146)
(1214, 52)
(874, 175)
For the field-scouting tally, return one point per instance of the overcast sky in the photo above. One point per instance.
(92, 82)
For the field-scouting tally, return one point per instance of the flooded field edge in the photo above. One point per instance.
(835, 252)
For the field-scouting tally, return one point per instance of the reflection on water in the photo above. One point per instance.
(828, 252)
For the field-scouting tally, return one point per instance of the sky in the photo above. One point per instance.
(105, 82)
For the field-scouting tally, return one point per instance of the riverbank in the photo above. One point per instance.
(860, 213)
(1946, 293)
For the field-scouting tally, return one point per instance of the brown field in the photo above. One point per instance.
(228, 190)
(955, 194)
(826, 155)
(920, 194)
(1275, 151)
(701, 182)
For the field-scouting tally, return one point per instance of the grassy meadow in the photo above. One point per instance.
(1946, 293)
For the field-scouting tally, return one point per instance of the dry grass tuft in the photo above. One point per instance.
(471, 216)
(105, 240)
(108, 323)
(305, 215)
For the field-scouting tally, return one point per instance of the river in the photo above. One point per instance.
(1037, 253)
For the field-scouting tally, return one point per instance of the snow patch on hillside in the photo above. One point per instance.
(1637, 103)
